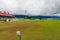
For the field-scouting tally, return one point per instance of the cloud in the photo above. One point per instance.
(33, 7)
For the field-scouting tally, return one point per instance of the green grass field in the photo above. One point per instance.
(31, 30)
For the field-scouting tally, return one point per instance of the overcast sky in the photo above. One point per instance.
(33, 7)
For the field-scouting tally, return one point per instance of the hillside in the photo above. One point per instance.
(40, 17)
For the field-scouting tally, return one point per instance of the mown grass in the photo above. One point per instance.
(31, 30)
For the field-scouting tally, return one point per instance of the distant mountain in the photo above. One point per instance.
(40, 17)
(20, 16)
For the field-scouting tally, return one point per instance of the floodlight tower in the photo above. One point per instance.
(25, 14)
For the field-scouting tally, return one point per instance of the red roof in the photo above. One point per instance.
(5, 14)
(9, 14)
(1, 13)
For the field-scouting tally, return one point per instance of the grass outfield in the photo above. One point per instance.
(31, 30)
